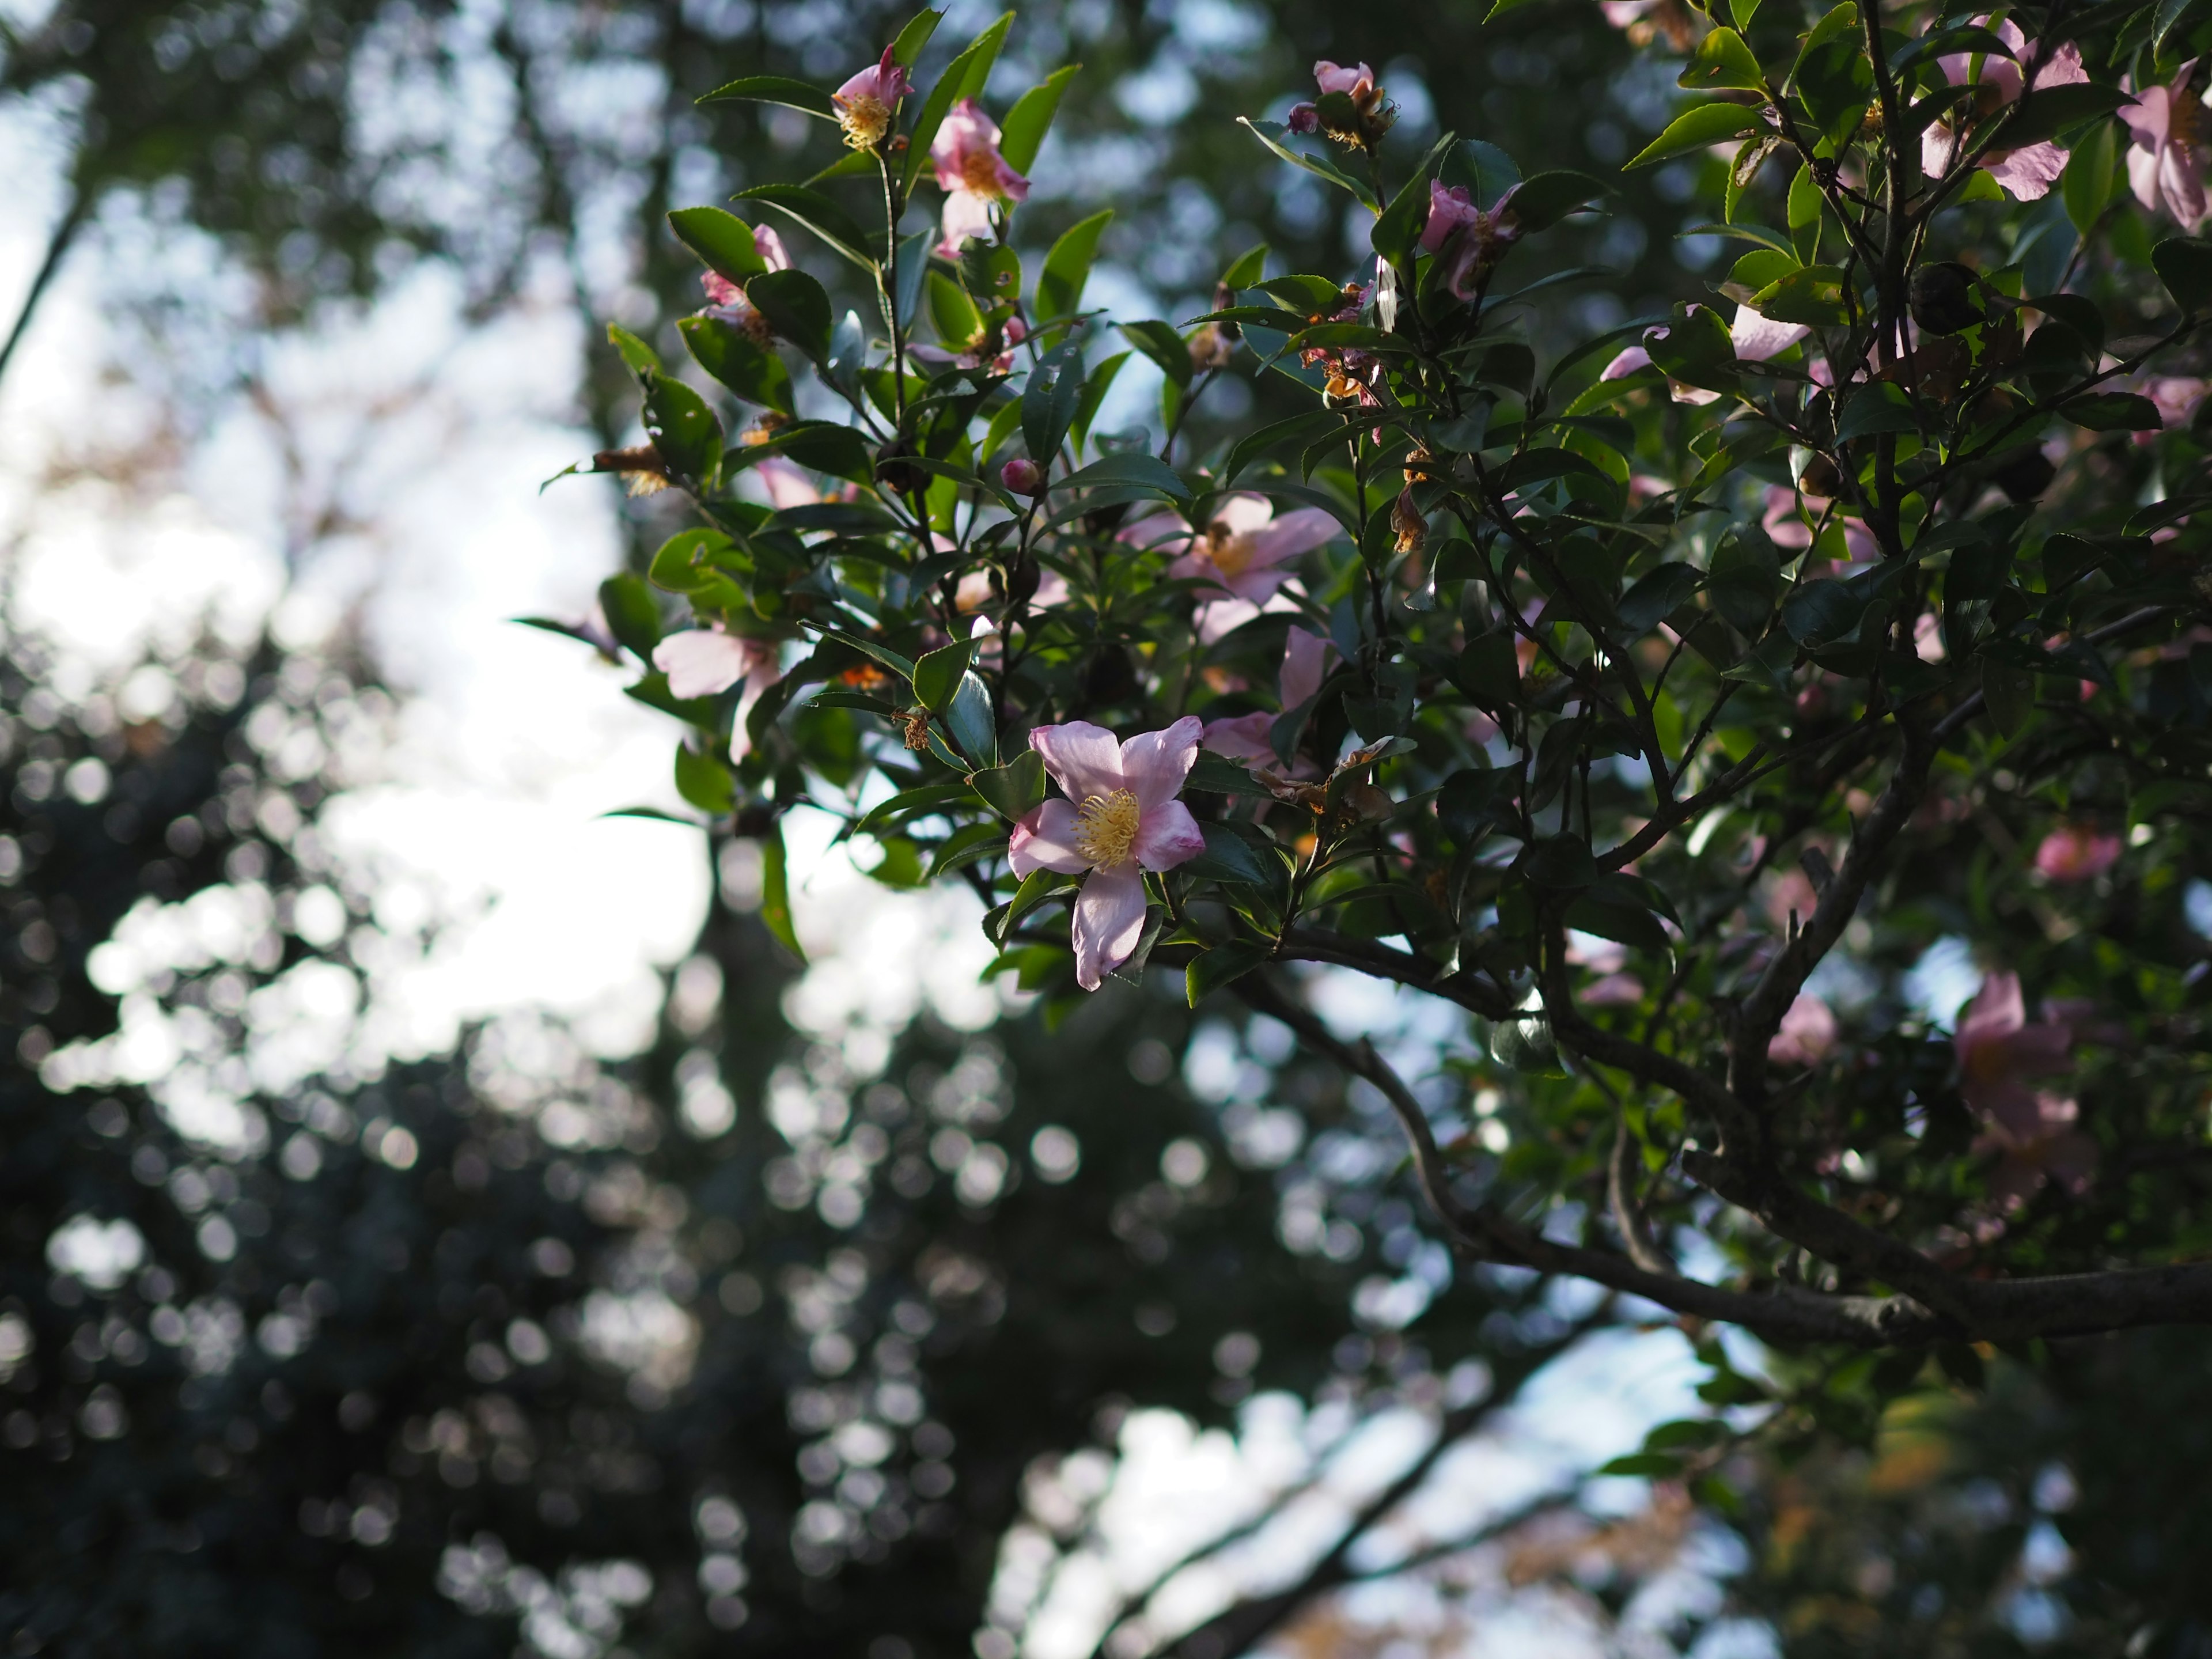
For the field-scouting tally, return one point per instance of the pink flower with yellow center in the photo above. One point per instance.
(2165, 158)
(2028, 172)
(867, 104)
(1245, 550)
(705, 662)
(973, 176)
(1120, 817)
(2075, 852)
(1999, 1051)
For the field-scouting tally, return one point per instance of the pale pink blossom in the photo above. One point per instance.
(1119, 819)
(1245, 547)
(973, 175)
(2075, 852)
(705, 662)
(2165, 158)
(1246, 737)
(1999, 1052)
(786, 485)
(1358, 81)
(2027, 172)
(866, 103)
(1806, 1034)
(1470, 239)
(1753, 337)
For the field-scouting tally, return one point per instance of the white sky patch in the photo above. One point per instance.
(1943, 981)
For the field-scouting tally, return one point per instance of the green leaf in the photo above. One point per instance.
(906, 51)
(722, 239)
(1217, 774)
(680, 566)
(2048, 111)
(1050, 401)
(2092, 178)
(1247, 269)
(814, 212)
(1276, 136)
(1026, 124)
(1818, 612)
(1812, 295)
(2114, 411)
(1133, 470)
(775, 892)
(2009, 694)
(973, 725)
(1068, 267)
(775, 89)
(683, 429)
(633, 614)
(923, 801)
(704, 781)
(1562, 862)
(1229, 857)
(1300, 429)
(1473, 801)
(959, 81)
(1013, 789)
(1722, 59)
(1212, 970)
(640, 358)
(796, 307)
(1095, 388)
(2184, 264)
(1878, 406)
(1741, 12)
(1159, 342)
(1545, 198)
(1744, 578)
(2165, 19)
(937, 674)
(1649, 1465)
(1657, 596)
(1489, 670)
(1394, 228)
(1698, 129)
(730, 354)
(1609, 914)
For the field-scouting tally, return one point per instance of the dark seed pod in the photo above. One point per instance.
(2025, 474)
(1942, 298)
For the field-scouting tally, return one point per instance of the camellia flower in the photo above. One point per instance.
(705, 662)
(1477, 238)
(2165, 160)
(1244, 549)
(866, 103)
(1245, 737)
(1373, 114)
(2027, 172)
(2075, 852)
(1755, 339)
(1807, 1031)
(973, 175)
(1998, 1052)
(1120, 817)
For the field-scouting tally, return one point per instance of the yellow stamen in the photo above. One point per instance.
(864, 119)
(1106, 828)
(979, 174)
(1230, 551)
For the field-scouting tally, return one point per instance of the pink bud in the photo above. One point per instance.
(1303, 117)
(1023, 475)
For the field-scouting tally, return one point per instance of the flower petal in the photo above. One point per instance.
(1305, 664)
(1294, 534)
(1757, 338)
(1167, 836)
(1110, 920)
(1085, 760)
(1045, 840)
(701, 662)
(1242, 737)
(1245, 511)
(1155, 763)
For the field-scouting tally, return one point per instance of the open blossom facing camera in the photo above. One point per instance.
(2166, 154)
(2028, 173)
(975, 177)
(1121, 818)
(867, 104)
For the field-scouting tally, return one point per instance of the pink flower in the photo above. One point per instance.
(786, 486)
(2165, 164)
(1477, 238)
(1246, 737)
(1120, 817)
(2029, 172)
(973, 175)
(2075, 852)
(705, 662)
(1357, 80)
(726, 301)
(1998, 1051)
(1023, 475)
(1245, 549)
(866, 103)
(1757, 339)
(1808, 1032)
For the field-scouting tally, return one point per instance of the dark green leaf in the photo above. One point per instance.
(2184, 264)
(1818, 612)
(704, 781)
(633, 614)
(775, 892)
(1212, 970)
(1657, 596)
(1722, 59)
(1548, 198)
(1130, 469)
(2048, 111)
(812, 211)
(1160, 342)
(729, 354)
(973, 725)
(722, 239)
(1229, 857)
(796, 307)
(775, 89)
(2114, 411)
(906, 51)
(1014, 789)
(937, 675)
(1562, 862)
(684, 430)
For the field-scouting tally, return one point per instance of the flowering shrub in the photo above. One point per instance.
(1657, 699)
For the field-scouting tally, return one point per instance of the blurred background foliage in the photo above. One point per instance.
(746, 1344)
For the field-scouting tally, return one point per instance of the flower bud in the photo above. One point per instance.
(1023, 475)
(1303, 117)
(1210, 348)
(1942, 298)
